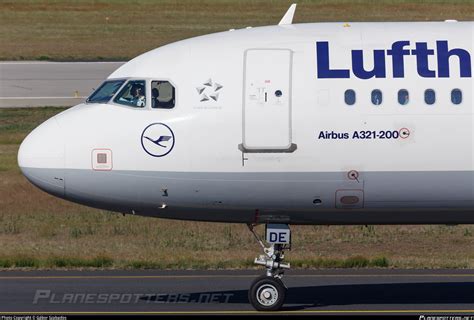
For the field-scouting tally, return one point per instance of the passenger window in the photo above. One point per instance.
(105, 92)
(133, 94)
(403, 97)
(350, 97)
(456, 96)
(430, 96)
(377, 97)
(163, 95)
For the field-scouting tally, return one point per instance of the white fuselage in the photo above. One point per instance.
(300, 124)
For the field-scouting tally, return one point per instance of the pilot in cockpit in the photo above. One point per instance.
(154, 97)
(138, 98)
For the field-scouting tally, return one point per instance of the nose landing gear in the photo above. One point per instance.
(267, 293)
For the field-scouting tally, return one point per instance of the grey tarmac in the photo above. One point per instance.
(38, 84)
(345, 291)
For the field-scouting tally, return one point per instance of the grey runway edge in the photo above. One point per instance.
(38, 84)
(364, 291)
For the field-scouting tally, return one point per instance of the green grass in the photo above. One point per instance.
(24, 262)
(351, 262)
(57, 262)
(120, 30)
(72, 262)
(16, 123)
(32, 262)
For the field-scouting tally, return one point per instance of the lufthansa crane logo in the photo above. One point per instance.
(157, 139)
(209, 90)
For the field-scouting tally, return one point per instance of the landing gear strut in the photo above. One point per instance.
(267, 293)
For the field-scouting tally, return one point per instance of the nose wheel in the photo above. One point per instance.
(267, 293)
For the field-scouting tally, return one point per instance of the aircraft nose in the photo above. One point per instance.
(41, 157)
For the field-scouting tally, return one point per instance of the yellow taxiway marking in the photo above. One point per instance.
(238, 276)
(239, 312)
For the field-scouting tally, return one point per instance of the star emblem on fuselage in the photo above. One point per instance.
(209, 90)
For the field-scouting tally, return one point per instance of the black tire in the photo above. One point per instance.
(267, 294)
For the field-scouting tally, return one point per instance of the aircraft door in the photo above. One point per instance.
(267, 101)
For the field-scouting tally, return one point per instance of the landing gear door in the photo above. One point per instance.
(267, 101)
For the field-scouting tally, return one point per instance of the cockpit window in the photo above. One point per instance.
(162, 95)
(105, 92)
(133, 94)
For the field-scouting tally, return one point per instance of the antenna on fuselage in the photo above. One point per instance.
(288, 17)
